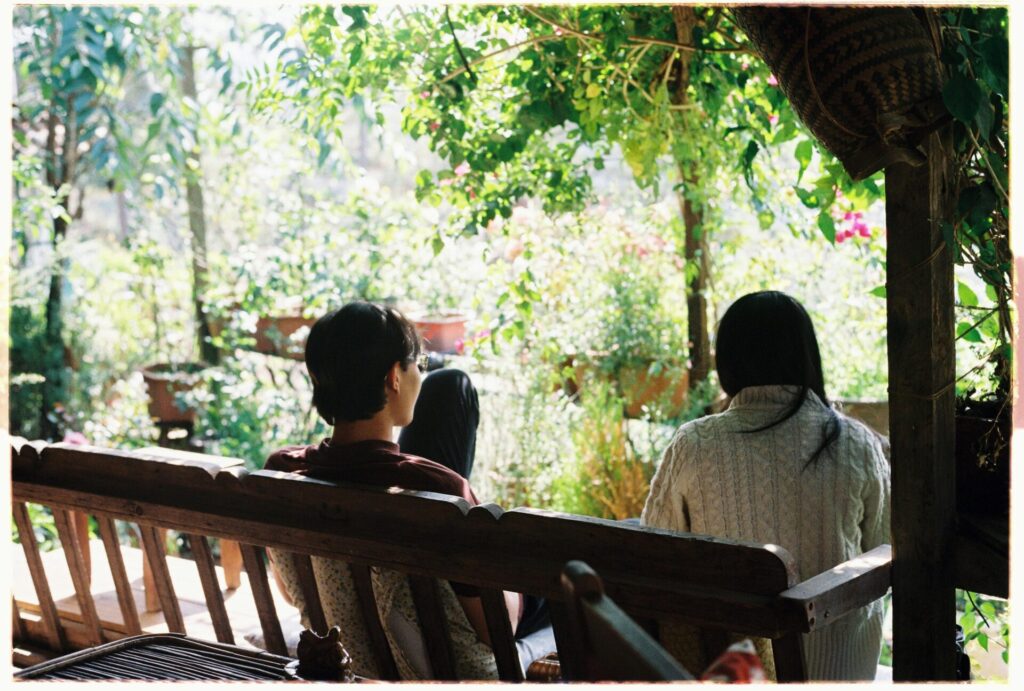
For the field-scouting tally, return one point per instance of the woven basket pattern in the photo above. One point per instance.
(865, 81)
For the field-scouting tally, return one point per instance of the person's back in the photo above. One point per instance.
(780, 466)
(365, 364)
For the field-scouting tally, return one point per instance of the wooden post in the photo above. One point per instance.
(921, 390)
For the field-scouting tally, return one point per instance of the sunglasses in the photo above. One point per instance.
(422, 362)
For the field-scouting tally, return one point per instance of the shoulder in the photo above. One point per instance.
(424, 475)
(702, 431)
(289, 458)
(862, 445)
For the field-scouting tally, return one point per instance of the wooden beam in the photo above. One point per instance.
(919, 289)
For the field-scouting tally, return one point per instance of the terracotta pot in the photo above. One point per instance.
(274, 335)
(164, 381)
(442, 332)
(983, 464)
(642, 389)
(874, 414)
(669, 387)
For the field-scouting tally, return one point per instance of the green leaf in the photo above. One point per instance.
(827, 226)
(437, 243)
(985, 118)
(965, 331)
(990, 293)
(804, 151)
(983, 641)
(325, 151)
(996, 53)
(809, 198)
(155, 101)
(962, 97)
(966, 295)
(878, 292)
(593, 90)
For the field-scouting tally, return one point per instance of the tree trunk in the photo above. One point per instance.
(695, 248)
(696, 254)
(197, 218)
(60, 170)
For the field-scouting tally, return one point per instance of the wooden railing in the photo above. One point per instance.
(654, 575)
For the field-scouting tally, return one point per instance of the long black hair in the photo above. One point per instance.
(767, 338)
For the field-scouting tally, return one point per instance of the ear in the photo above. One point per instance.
(391, 381)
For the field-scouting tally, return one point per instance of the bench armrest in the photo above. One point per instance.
(840, 590)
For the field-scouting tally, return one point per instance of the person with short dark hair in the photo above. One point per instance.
(365, 363)
(780, 466)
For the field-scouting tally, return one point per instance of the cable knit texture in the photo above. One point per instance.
(714, 479)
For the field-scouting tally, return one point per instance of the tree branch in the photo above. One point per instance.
(458, 46)
(473, 63)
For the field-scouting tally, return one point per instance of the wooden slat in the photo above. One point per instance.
(310, 593)
(612, 647)
(503, 642)
(17, 626)
(252, 556)
(788, 653)
(211, 587)
(68, 534)
(231, 563)
(426, 597)
(125, 598)
(386, 667)
(79, 520)
(842, 589)
(921, 389)
(570, 653)
(55, 635)
(156, 557)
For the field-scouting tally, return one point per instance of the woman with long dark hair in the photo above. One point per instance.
(781, 466)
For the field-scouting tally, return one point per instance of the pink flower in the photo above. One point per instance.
(434, 126)
(75, 438)
(772, 81)
(848, 216)
(460, 346)
(424, 94)
(462, 169)
(773, 119)
(865, 232)
(840, 236)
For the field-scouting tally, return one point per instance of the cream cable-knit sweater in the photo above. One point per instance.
(715, 480)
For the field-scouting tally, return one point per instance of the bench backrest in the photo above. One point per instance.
(654, 575)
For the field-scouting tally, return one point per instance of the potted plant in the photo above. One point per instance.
(633, 340)
(975, 53)
(442, 331)
(168, 379)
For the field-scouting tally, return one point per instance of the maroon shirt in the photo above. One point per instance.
(373, 462)
(377, 464)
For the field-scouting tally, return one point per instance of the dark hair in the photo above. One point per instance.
(348, 355)
(767, 338)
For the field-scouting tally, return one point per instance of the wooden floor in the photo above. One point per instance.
(239, 603)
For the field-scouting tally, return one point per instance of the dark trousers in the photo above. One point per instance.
(443, 430)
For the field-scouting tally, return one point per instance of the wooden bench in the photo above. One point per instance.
(654, 575)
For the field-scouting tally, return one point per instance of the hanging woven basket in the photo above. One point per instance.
(865, 81)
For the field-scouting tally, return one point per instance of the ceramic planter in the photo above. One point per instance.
(442, 332)
(638, 387)
(274, 335)
(164, 381)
